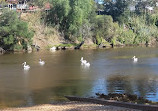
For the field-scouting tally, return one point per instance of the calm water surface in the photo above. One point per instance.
(111, 71)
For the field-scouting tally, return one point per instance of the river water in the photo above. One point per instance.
(111, 71)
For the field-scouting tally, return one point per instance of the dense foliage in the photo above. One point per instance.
(71, 17)
(112, 22)
(14, 33)
(117, 22)
(137, 20)
(105, 28)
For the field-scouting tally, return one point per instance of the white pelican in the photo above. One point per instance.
(41, 62)
(87, 64)
(135, 59)
(83, 61)
(53, 48)
(26, 67)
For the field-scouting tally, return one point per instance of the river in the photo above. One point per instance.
(111, 71)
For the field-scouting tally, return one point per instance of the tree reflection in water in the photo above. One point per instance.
(143, 86)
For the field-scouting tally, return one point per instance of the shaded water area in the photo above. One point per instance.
(111, 71)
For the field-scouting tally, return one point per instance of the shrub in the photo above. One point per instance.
(13, 31)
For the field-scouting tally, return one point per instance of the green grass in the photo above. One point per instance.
(67, 45)
(63, 45)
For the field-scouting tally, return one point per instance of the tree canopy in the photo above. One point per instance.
(70, 15)
(121, 21)
(14, 33)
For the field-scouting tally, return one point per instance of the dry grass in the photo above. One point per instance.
(44, 36)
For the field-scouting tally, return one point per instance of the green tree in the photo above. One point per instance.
(58, 14)
(78, 17)
(115, 9)
(126, 37)
(69, 16)
(14, 33)
(143, 32)
(106, 28)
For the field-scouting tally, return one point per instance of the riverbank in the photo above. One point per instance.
(70, 106)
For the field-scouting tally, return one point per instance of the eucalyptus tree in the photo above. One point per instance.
(70, 16)
(115, 8)
(58, 15)
(79, 15)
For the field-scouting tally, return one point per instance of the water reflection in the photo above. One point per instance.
(26, 71)
(119, 84)
(144, 86)
(99, 86)
(83, 66)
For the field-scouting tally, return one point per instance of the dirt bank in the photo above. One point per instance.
(70, 106)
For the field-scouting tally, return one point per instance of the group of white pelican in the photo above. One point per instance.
(83, 62)
(27, 67)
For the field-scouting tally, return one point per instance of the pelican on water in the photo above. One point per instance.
(26, 67)
(84, 62)
(135, 59)
(87, 64)
(41, 62)
(53, 48)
